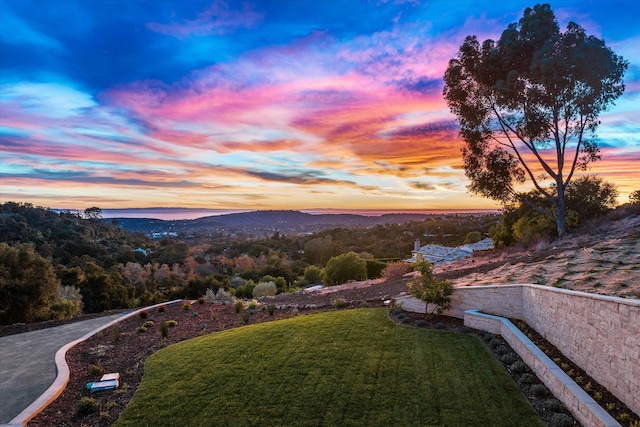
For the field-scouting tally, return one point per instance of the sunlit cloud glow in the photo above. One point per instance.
(229, 104)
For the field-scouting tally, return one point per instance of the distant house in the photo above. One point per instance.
(438, 255)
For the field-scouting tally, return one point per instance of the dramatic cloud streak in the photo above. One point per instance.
(228, 104)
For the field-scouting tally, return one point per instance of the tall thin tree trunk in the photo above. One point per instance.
(562, 212)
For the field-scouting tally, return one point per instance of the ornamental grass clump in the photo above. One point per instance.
(238, 305)
(164, 330)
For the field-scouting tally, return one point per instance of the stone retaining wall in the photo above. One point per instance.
(599, 333)
(585, 409)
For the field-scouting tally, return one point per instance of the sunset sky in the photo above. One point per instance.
(261, 104)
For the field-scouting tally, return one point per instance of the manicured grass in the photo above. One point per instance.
(342, 368)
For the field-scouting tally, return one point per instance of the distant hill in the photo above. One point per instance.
(274, 220)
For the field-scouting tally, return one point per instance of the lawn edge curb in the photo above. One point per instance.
(62, 376)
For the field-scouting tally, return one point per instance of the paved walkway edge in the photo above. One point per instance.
(62, 377)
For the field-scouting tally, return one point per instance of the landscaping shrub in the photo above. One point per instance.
(172, 323)
(538, 390)
(186, 306)
(440, 325)
(270, 309)
(552, 405)
(375, 268)
(396, 270)
(238, 305)
(495, 343)
(561, 420)
(96, 370)
(338, 303)
(162, 309)
(245, 317)
(86, 406)
(421, 323)
(518, 367)
(527, 378)
(148, 324)
(508, 359)
(144, 314)
(502, 349)
(141, 329)
(488, 337)
(264, 289)
(201, 300)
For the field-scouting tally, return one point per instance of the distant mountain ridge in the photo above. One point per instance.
(275, 220)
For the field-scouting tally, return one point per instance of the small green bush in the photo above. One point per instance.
(465, 330)
(488, 337)
(141, 329)
(86, 406)
(162, 309)
(552, 405)
(561, 420)
(245, 317)
(172, 323)
(148, 324)
(271, 309)
(527, 378)
(538, 390)
(238, 305)
(264, 289)
(508, 358)
(518, 367)
(144, 314)
(494, 343)
(421, 323)
(502, 349)
(96, 370)
(186, 306)
(440, 325)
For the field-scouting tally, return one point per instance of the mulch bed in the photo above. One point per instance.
(121, 348)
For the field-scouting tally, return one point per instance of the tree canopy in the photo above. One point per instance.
(528, 106)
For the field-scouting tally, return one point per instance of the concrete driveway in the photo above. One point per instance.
(27, 362)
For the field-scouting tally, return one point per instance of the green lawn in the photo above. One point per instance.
(342, 368)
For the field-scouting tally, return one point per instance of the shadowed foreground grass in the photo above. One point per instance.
(342, 368)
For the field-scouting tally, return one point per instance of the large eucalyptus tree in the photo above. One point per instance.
(528, 106)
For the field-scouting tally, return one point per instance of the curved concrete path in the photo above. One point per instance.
(27, 362)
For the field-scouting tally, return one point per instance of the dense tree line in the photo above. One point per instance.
(56, 264)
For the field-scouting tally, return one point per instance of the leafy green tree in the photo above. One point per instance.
(342, 268)
(528, 106)
(313, 274)
(590, 196)
(634, 197)
(28, 284)
(317, 251)
(430, 290)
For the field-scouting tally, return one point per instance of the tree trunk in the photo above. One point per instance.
(562, 212)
